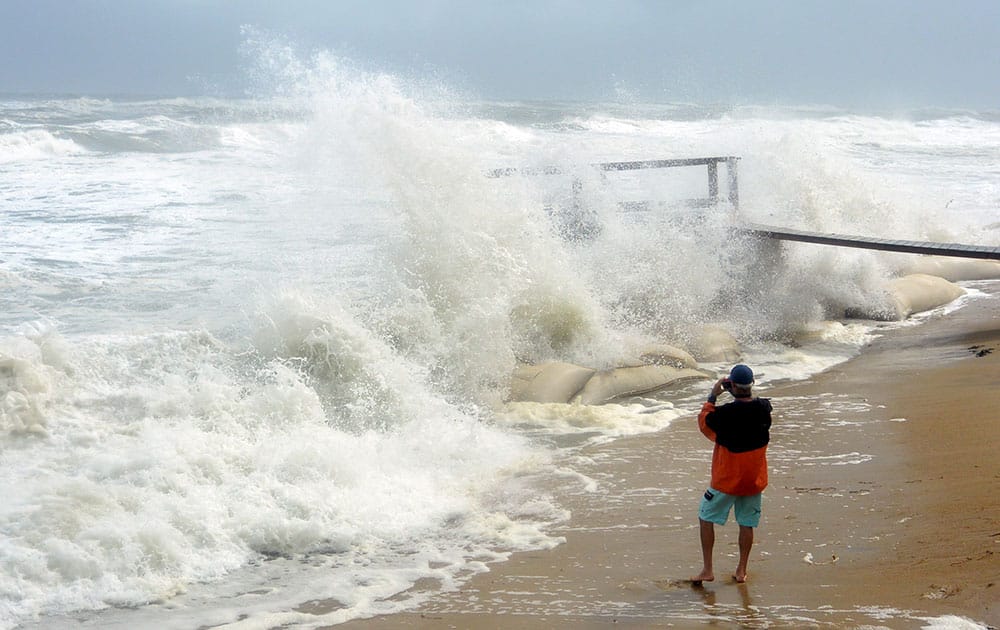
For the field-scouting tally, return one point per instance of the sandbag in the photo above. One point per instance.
(715, 344)
(607, 385)
(955, 269)
(552, 382)
(667, 355)
(910, 294)
(920, 292)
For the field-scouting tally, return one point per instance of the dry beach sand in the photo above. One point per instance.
(883, 509)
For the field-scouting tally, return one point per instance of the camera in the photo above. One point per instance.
(727, 385)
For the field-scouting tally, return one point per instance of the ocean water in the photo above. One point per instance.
(254, 352)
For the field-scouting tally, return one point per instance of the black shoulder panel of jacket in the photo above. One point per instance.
(742, 426)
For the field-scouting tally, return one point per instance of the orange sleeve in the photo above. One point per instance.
(706, 409)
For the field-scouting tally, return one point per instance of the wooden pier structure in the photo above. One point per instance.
(959, 250)
(867, 242)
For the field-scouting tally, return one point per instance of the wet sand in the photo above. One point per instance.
(883, 509)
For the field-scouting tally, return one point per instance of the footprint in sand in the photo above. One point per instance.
(941, 592)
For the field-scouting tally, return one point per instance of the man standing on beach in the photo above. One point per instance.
(741, 432)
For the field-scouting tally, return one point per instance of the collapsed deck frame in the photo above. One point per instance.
(958, 250)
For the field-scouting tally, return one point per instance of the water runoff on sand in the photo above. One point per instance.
(254, 352)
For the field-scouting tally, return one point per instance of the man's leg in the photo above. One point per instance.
(707, 532)
(748, 517)
(746, 543)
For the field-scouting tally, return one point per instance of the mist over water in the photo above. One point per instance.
(243, 338)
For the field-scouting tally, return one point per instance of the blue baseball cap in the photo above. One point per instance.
(741, 375)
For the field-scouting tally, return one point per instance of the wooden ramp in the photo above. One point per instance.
(868, 242)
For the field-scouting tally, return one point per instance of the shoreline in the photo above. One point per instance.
(885, 516)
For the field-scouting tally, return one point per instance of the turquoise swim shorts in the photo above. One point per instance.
(715, 507)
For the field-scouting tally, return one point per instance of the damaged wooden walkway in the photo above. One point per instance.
(958, 250)
(868, 242)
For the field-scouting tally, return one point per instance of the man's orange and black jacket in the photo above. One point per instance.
(741, 431)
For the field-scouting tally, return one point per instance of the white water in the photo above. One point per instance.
(246, 343)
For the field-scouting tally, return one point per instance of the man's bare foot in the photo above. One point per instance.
(740, 578)
(704, 576)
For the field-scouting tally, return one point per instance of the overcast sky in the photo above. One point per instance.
(888, 53)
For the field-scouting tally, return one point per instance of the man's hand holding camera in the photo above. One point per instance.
(723, 384)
